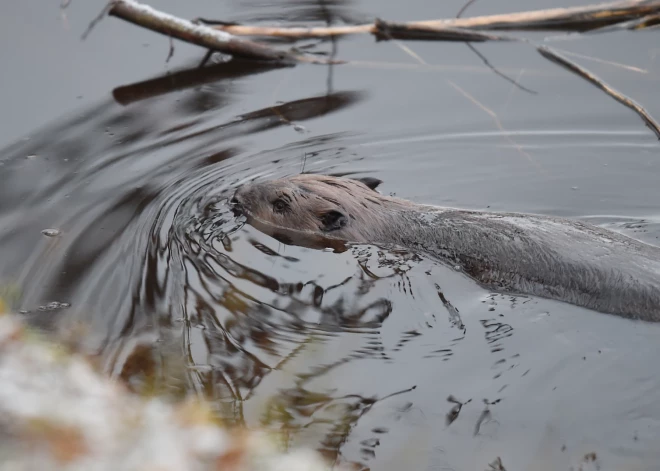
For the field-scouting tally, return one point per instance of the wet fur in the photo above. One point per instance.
(549, 257)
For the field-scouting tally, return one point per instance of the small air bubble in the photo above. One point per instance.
(54, 306)
(51, 232)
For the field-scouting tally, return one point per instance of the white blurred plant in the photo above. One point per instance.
(58, 413)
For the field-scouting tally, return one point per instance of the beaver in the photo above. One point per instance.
(550, 257)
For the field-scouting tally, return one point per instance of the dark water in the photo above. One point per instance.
(354, 353)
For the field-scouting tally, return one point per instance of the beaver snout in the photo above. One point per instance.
(236, 205)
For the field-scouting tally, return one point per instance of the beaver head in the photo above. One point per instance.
(338, 207)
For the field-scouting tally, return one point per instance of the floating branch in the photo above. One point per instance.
(581, 18)
(201, 35)
(585, 74)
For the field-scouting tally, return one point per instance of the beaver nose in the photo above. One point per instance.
(236, 197)
(235, 204)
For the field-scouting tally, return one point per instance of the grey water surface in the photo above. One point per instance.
(353, 353)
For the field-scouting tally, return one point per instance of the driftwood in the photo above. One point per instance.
(633, 14)
(201, 35)
(222, 37)
(582, 18)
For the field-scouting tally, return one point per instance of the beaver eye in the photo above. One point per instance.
(279, 206)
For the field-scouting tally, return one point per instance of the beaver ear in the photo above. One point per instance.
(371, 182)
(332, 220)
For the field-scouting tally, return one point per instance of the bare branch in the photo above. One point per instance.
(200, 35)
(582, 18)
(618, 96)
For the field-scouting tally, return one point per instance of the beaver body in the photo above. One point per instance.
(550, 257)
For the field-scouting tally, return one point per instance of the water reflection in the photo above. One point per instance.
(300, 11)
(151, 263)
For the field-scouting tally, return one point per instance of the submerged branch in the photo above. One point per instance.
(585, 74)
(200, 35)
(189, 78)
(582, 18)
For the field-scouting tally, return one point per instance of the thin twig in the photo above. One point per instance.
(171, 53)
(333, 40)
(490, 112)
(302, 170)
(410, 52)
(385, 34)
(465, 7)
(206, 58)
(496, 465)
(497, 121)
(485, 60)
(585, 74)
(96, 20)
(485, 415)
(494, 69)
(511, 92)
(603, 61)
